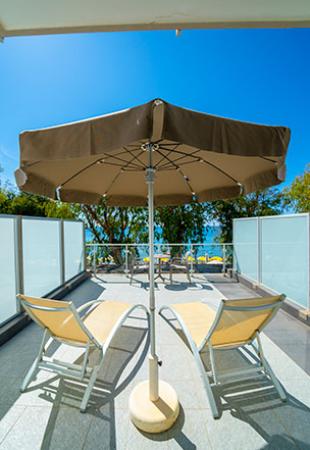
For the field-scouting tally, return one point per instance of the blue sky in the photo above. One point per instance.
(254, 75)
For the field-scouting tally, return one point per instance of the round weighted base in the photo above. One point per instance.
(153, 417)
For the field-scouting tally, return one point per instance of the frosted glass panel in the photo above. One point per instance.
(245, 247)
(74, 248)
(41, 256)
(285, 256)
(7, 269)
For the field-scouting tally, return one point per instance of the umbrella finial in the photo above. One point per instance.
(158, 120)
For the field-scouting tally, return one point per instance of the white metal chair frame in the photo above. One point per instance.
(82, 372)
(178, 264)
(136, 265)
(261, 366)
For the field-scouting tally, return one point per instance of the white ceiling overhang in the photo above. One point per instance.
(29, 17)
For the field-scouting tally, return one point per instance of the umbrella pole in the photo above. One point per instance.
(148, 397)
(153, 359)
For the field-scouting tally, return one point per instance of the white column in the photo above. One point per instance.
(153, 359)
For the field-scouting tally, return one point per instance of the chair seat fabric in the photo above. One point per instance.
(198, 318)
(102, 319)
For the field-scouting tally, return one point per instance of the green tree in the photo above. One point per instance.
(61, 210)
(297, 195)
(22, 203)
(115, 225)
(179, 224)
(262, 203)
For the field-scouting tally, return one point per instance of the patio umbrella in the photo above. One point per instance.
(163, 154)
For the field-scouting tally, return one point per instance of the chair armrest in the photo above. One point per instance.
(87, 305)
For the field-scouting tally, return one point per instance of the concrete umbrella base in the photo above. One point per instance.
(157, 416)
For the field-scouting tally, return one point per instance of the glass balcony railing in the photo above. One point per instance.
(274, 252)
(199, 257)
(37, 256)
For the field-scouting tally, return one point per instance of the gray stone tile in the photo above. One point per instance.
(9, 419)
(66, 428)
(140, 440)
(295, 418)
(252, 417)
(28, 432)
(190, 431)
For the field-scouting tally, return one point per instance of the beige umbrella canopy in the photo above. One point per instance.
(160, 153)
(195, 155)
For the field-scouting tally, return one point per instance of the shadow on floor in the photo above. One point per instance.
(181, 286)
(95, 428)
(89, 290)
(18, 353)
(283, 425)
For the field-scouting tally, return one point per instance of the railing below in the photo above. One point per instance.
(206, 257)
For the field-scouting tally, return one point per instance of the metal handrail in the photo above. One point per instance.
(127, 246)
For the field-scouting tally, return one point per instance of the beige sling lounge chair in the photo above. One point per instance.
(236, 324)
(62, 322)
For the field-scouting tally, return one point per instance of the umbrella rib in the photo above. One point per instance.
(108, 155)
(79, 172)
(169, 150)
(267, 159)
(136, 157)
(178, 159)
(95, 162)
(185, 178)
(119, 173)
(209, 163)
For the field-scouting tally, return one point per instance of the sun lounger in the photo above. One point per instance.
(62, 322)
(236, 324)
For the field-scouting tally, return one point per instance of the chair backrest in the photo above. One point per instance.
(238, 321)
(59, 317)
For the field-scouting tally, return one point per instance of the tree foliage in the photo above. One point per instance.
(22, 203)
(297, 195)
(115, 225)
(184, 223)
(262, 203)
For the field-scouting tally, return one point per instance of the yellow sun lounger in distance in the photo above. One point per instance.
(62, 322)
(236, 324)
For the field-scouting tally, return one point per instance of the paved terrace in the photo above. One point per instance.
(48, 417)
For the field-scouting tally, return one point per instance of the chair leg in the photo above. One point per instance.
(199, 363)
(207, 385)
(269, 370)
(189, 276)
(89, 388)
(91, 383)
(33, 369)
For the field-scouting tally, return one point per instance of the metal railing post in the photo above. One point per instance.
(84, 248)
(18, 258)
(259, 251)
(192, 257)
(126, 259)
(224, 258)
(61, 252)
(94, 260)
